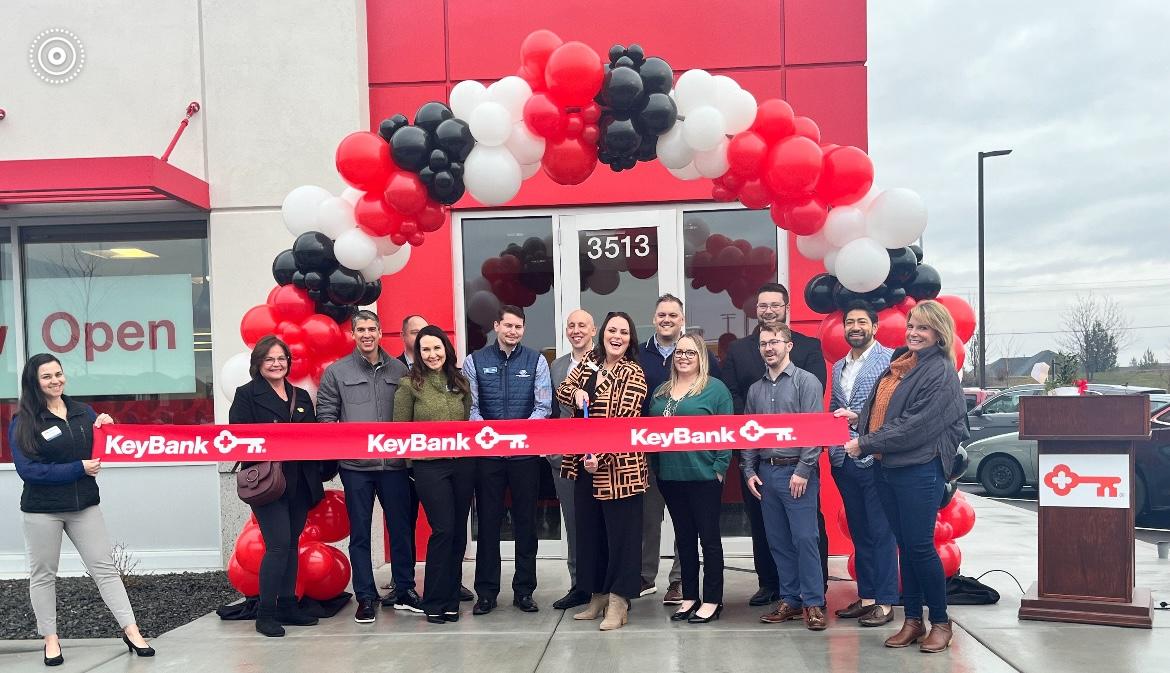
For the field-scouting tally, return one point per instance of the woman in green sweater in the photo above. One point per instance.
(692, 481)
(437, 391)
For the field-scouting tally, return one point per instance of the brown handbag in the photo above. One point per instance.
(262, 483)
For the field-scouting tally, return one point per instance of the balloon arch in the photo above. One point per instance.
(566, 110)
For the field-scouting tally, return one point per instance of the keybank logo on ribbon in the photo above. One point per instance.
(417, 443)
(751, 431)
(155, 445)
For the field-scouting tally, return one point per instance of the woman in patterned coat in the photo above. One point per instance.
(609, 486)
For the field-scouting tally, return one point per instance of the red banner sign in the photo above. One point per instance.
(330, 441)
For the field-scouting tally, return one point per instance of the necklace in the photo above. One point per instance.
(672, 403)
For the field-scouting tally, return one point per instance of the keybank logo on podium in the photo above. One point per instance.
(1084, 480)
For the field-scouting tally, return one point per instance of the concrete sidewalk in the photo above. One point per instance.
(988, 639)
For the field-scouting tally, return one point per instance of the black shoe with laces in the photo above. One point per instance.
(483, 606)
(366, 614)
(465, 594)
(526, 604)
(408, 600)
(571, 600)
(763, 597)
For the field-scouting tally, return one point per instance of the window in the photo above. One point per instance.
(1004, 404)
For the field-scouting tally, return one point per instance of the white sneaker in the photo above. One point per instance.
(647, 589)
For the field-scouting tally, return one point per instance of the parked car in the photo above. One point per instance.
(976, 396)
(1005, 464)
(1000, 414)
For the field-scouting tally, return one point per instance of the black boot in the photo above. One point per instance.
(290, 614)
(266, 622)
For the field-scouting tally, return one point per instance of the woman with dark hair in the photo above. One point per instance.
(438, 391)
(52, 441)
(609, 383)
(270, 398)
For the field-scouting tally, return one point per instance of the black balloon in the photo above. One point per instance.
(615, 52)
(431, 114)
(636, 54)
(657, 76)
(895, 295)
(659, 115)
(962, 462)
(454, 136)
(647, 150)
(346, 286)
(926, 283)
(339, 314)
(388, 126)
(877, 298)
(917, 252)
(902, 266)
(624, 62)
(315, 280)
(313, 251)
(438, 161)
(372, 291)
(426, 175)
(620, 137)
(283, 267)
(456, 169)
(444, 193)
(623, 89)
(818, 293)
(411, 148)
(843, 296)
(298, 280)
(949, 489)
(315, 295)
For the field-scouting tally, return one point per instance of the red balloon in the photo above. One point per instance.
(951, 557)
(774, 120)
(733, 182)
(544, 117)
(960, 355)
(293, 304)
(406, 193)
(250, 549)
(843, 524)
(590, 134)
(573, 74)
(416, 239)
(846, 176)
(310, 534)
(291, 334)
(271, 295)
(716, 242)
(375, 217)
(303, 364)
(570, 161)
(536, 49)
(245, 582)
(722, 194)
(960, 515)
(591, 113)
(851, 565)
(943, 532)
(754, 194)
(314, 563)
(335, 581)
(962, 313)
(802, 219)
(806, 127)
(363, 160)
(836, 316)
(258, 322)
(330, 517)
(832, 336)
(397, 239)
(575, 127)
(793, 166)
(746, 153)
(906, 304)
(408, 228)
(535, 80)
(891, 328)
(432, 217)
(322, 334)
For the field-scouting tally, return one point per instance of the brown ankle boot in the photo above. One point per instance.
(939, 638)
(595, 609)
(616, 613)
(911, 632)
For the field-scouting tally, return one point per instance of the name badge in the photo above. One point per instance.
(300, 410)
(51, 433)
(490, 370)
(523, 374)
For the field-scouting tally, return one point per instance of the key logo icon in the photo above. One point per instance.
(225, 441)
(488, 438)
(1062, 480)
(753, 431)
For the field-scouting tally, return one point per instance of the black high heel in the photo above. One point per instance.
(704, 620)
(54, 661)
(147, 651)
(685, 615)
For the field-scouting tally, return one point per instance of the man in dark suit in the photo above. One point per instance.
(742, 367)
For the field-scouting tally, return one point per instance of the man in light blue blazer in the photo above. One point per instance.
(876, 558)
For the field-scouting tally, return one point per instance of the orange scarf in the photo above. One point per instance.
(886, 387)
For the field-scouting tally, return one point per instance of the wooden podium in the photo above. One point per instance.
(1086, 513)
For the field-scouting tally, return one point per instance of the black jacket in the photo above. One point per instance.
(257, 402)
(744, 365)
(927, 416)
(657, 370)
(54, 479)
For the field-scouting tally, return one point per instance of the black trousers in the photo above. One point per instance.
(493, 479)
(445, 487)
(762, 553)
(694, 508)
(609, 541)
(281, 523)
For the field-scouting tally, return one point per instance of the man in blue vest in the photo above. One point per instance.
(508, 380)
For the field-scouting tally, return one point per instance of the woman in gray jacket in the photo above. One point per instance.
(911, 425)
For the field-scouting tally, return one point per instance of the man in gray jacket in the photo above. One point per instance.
(360, 387)
(786, 482)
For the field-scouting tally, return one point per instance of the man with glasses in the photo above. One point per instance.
(786, 483)
(743, 366)
(655, 357)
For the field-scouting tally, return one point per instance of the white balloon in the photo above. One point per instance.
(374, 269)
(335, 217)
(813, 247)
(466, 96)
(512, 92)
(526, 146)
(866, 201)
(672, 150)
(831, 261)
(845, 224)
(491, 174)
(688, 172)
(482, 308)
(712, 163)
(396, 261)
(386, 247)
(529, 170)
(739, 111)
(300, 208)
(490, 123)
(694, 88)
(234, 374)
(355, 249)
(897, 218)
(352, 195)
(704, 128)
(862, 265)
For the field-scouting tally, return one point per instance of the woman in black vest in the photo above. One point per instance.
(270, 398)
(52, 441)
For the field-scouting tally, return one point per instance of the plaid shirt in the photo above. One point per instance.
(872, 366)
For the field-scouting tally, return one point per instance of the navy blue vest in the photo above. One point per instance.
(507, 385)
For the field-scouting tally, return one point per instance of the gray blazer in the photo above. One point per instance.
(352, 389)
(559, 371)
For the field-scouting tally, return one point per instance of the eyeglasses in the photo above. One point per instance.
(772, 343)
(276, 361)
(687, 354)
(774, 307)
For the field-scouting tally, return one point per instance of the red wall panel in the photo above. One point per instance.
(407, 41)
(835, 98)
(824, 31)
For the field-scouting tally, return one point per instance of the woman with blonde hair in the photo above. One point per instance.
(692, 481)
(911, 425)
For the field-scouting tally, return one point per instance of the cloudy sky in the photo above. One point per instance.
(1080, 91)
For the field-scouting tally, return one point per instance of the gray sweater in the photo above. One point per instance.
(795, 391)
(352, 389)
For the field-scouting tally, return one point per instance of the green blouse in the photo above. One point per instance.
(699, 465)
(433, 402)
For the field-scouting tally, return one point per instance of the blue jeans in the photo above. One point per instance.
(873, 541)
(791, 526)
(392, 487)
(911, 496)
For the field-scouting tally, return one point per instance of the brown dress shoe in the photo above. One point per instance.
(853, 610)
(911, 632)
(814, 618)
(877, 616)
(783, 613)
(939, 638)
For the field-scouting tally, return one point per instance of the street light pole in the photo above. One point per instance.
(982, 294)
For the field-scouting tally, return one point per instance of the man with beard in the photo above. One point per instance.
(854, 378)
(744, 366)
